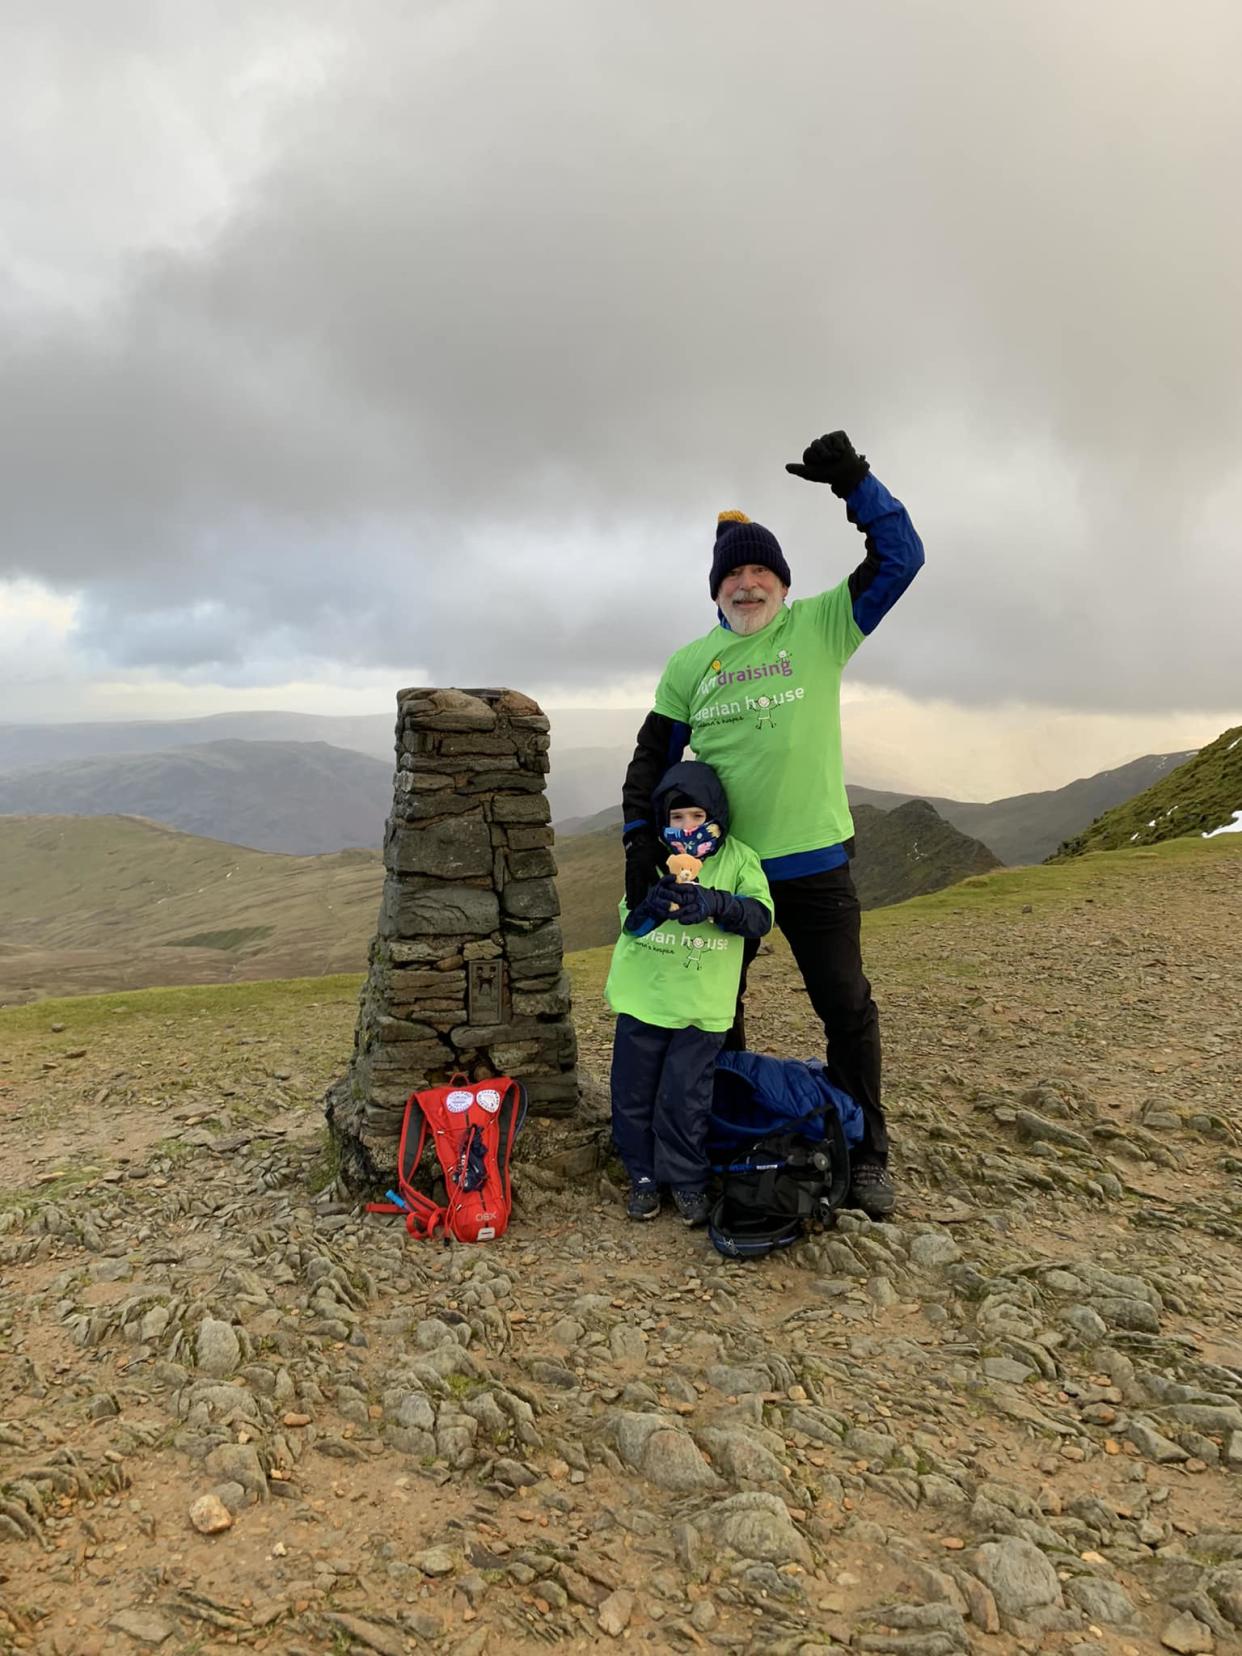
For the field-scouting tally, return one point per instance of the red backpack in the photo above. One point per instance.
(473, 1125)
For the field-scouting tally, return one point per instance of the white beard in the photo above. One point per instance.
(745, 619)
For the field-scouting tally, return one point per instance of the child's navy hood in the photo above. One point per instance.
(698, 782)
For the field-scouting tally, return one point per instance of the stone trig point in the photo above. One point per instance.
(465, 971)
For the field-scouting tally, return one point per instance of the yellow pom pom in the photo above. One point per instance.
(733, 517)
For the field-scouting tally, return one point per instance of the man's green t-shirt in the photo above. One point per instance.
(764, 712)
(677, 976)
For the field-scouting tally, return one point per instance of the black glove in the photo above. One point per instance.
(644, 863)
(663, 898)
(832, 460)
(695, 903)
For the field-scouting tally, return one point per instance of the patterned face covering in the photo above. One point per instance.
(696, 842)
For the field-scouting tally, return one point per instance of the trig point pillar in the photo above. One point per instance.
(465, 971)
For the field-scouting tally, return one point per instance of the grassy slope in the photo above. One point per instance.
(907, 935)
(90, 901)
(1003, 895)
(1195, 798)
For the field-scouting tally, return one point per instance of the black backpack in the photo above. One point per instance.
(778, 1142)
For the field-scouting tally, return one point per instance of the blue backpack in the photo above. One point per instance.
(778, 1141)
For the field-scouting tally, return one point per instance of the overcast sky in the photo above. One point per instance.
(347, 346)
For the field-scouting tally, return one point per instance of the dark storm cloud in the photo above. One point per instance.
(521, 296)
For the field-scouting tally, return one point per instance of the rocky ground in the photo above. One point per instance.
(233, 1414)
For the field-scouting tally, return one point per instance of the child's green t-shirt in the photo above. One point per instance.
(764, 712)
(677, 976)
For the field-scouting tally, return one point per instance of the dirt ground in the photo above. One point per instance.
(1011, 1419)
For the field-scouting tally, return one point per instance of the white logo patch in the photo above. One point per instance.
(459, 1101)
(489, 1098)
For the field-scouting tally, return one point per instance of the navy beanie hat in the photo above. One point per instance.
(739, 541)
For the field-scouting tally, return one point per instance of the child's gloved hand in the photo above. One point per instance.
(695, 903)
(665, 897)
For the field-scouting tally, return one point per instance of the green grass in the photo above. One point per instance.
(1098, 877)
(264, 999)
(1196, 798)
(233, 938)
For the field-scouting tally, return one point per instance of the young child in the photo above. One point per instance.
(673, 985)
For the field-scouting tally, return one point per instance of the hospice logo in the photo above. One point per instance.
(719, 678)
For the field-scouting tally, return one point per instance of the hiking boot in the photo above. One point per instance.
(644, 1200)
(871, 1189)
(692, 1205)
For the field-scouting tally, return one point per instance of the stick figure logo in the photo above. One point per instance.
(695, 956)
(764, 704)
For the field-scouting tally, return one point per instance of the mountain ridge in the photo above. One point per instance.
(1201, 796)
(1018, 829)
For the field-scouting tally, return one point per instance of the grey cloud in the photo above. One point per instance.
(524, 296)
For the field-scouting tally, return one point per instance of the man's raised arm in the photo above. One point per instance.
(894, 550)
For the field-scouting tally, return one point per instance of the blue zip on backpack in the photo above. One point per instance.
(778, 1141)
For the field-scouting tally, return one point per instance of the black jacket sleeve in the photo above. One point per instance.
(745, 916)
(661, 743)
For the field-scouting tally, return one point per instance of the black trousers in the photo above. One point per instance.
(661, 1099)
(820, 916)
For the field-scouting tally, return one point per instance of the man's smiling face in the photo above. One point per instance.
(750, 597)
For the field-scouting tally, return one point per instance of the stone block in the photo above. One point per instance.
(531, 807)
(412, 1055)
(531, 865)
(416, 980)
(492, 781)
(446, 710)
(477, 1037)
(531, 899)
(463, 765)
(511, 1057)
(412, 804)
(424, 950)
(452, 848)
(534, 953)
(454, 745)
(551, 1002)
(552, 1095)
(527, 839)
(391, 1030)
(452, 909)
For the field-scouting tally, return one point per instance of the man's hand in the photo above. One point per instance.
(644, 864)
(831, 459)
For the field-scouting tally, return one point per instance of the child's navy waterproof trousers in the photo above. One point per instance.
(661, 1099)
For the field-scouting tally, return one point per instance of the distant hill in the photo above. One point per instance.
(89, 903)
(1199, 797)
(590, 750)
(910, 851)
(902, 853)
(1021, 829)
(26, 745)
(1027, 827)
(298, 797)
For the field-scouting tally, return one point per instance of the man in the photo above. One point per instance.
(758, 698)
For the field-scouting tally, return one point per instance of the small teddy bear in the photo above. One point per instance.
(685, 870)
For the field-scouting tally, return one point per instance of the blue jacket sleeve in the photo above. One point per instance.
(894, 552)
